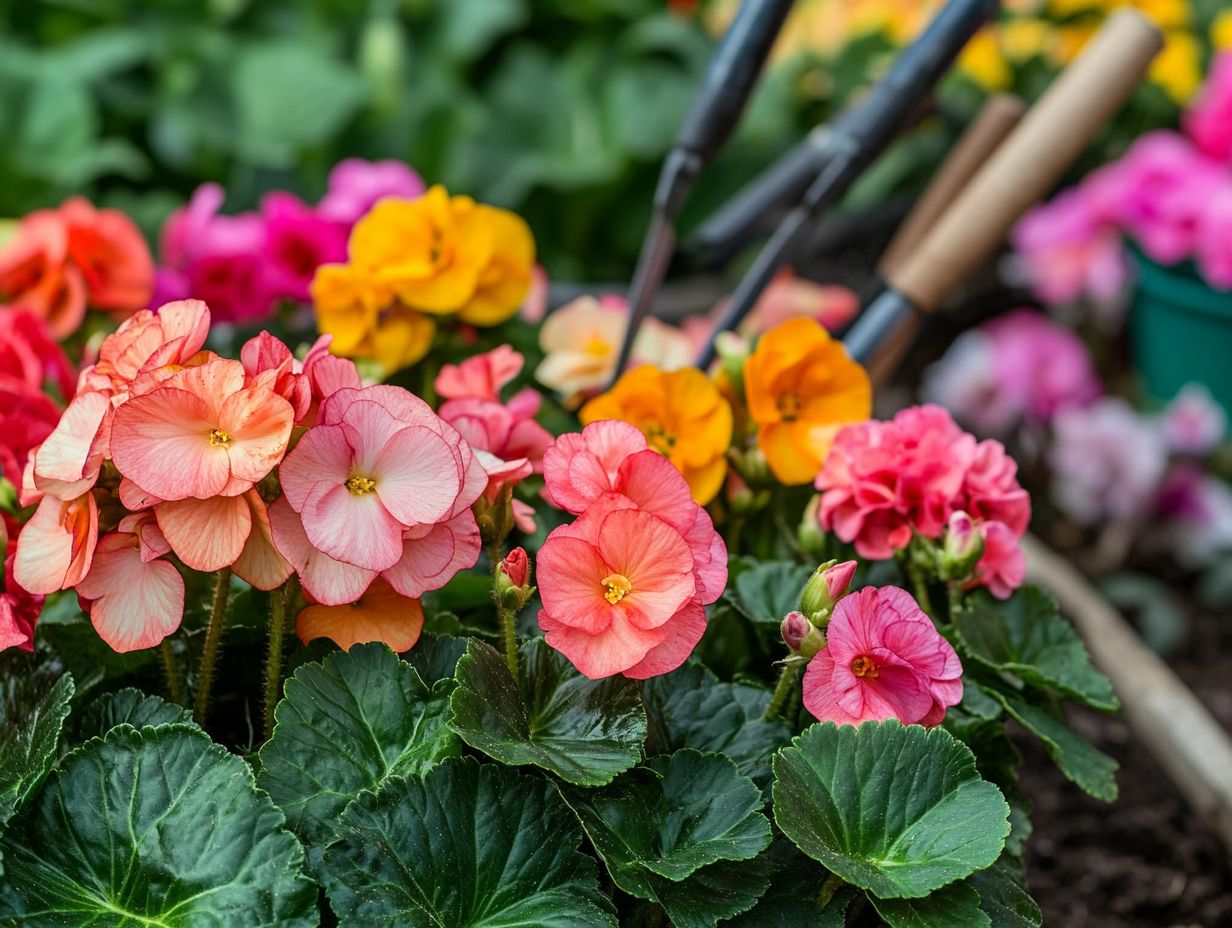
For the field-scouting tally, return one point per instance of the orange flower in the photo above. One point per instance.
(379, 615)
(801, 388)
(683, 417)
(367, 320)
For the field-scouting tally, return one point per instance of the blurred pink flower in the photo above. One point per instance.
(1003, 565)
(884, 659)
(480, 376)
(298, 240)
(1193, 423)
(1209, 119)
(1196, 509)
(1070, 250)
(19, 609)
(355, 186)
(1213, 251)
(30, 355)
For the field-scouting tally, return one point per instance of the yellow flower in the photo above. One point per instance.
(1071, 40)
(1221, 31)
(367, 321)
(801, 388)
(1026, 38)
(683, 417)
(1177, 69)
(1166, 14)
(505, 281)
(983, 62)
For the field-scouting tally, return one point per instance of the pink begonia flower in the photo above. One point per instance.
(481, 376)
(1193, 423)
(29, 355)
(883, 659)
(1196, 510)
(1107, 461)
(990, 489)
(1213, 251)
(1070, 250)
(132, 602)
(1208, 121)
(56, 546)
(146, 341)
(378, 462)
(19, 610)
(327, 580)
(1003, 566)
(618, 592)
(202, 432)
(298, 240)
(882, 481)
(356, 185)
(965, 382)
(507, 431)
(269, 361)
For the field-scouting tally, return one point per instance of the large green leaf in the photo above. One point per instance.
(1004, 899)
(896, 810)
(436, 657)
(1092, 769)
(676, 830)
(153, 827)
(584, 731)
(344, 726)
(1027, 637)
(955, 906)
(794, 897)
(769, 590)
(464, 846)
(691, 708)
(27, 752)
(129, 706)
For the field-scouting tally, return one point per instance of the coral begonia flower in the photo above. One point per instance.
(201, 433)
(111, 254)
(36, 274)
(480, 377)
(56, 546)
(802, 388)
(884, 659)
(30, 355)
(148, 340)
(582, 466)
(505, 282)
(133, 603)
(683, 416)
(616, 585)
(269, 360)
(67, 464)
(380, 614)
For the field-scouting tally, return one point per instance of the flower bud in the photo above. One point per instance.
(8, 496)
(513, 580)
(826, 587)
(801, 636)
(812, 539)
(733, 351)
(963, 547)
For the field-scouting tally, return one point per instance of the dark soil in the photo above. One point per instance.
(1146, 861)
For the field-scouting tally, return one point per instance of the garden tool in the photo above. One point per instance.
(715, 112)
(1023, 169)
(857, 137)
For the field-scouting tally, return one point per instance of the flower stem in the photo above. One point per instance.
(273, 663)
(209, 651)
(508, 621)
(781, 691)
(171, 668)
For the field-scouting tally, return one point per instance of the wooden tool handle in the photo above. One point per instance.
(1032, 159)
(987, 131)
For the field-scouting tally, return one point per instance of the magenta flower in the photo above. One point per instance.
(298, 240)
(1208, 121)
(1069, 249)
(355, 186)
(1213, 251)
(883, 659)
(19, 609)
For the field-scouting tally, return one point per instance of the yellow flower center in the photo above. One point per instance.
(789, 406)
(660, 440)
(219, 439)
(360, 485)
(597, 347)
(617, 587)
(864, 666)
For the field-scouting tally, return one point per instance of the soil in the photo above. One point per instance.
(1146, 861)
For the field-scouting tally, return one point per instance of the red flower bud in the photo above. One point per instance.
(516, 567)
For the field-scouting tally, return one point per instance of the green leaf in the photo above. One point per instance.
(793, 897)
(1027, 637)
(584, 731)
(1093, 770)
(436, 657)
(464, 846)
(676, 830)
(289, 96)
(955, 906)
(469, 27)
(132, 707)
(344, 726)
(1004, 899)
(27, 752)
(896, 810)
(769, 590)
(153, 827)
(691, 708)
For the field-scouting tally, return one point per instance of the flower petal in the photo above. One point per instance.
(160, 441)
(260, 563)
(380, 615)
(329, 582)
(132, 604)
(352, 528)
(206, 534)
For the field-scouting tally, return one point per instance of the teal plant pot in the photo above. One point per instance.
(1181, 331)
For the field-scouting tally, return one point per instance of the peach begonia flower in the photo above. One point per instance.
(134, 601)
(381, 614)
(202, 432)
(683, 416)
(56, 546)
(801, 389)
(884, 659)
(581, 340)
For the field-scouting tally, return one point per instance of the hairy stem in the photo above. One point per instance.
(171, 669)
(508, 621)
(209, 651)
(273, 662)
(782, 690)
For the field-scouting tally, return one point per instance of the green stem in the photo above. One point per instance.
(781, 691)
(171, 668)
(273, 663)
(832, 885)
(209, 651)
(919, 583)
(508, 621)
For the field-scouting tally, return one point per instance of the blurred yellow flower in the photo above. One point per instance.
(683, 416)
(1221, 31)
(983, 62)
(366, 321)
(1178, 68)
(1166, 14)
(505, 282)
(1026, 38)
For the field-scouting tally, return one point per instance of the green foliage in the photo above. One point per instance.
(584, 731)
(153, 826)
(129, 706)
(346, 725)
(28, 750)
(466, 845)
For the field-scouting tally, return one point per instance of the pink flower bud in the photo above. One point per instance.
(516, 567)
(826, 587)
(964, 544)
(800, 635)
